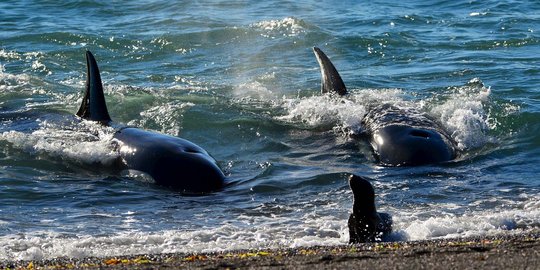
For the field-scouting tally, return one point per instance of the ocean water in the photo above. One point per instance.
(239, 78)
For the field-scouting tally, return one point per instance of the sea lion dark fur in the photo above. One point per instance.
(365, 223)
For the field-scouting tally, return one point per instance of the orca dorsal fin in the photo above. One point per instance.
(330, 79)
(93, 106)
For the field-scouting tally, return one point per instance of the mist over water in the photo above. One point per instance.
(239, 79)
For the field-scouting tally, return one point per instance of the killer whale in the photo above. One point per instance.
(171, 161)
(398, 137)
(365, 223)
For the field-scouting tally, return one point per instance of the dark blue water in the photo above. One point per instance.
(239, 78)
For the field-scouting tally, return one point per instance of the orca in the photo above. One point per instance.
(365, 224)
(171, 161)
(398, 137)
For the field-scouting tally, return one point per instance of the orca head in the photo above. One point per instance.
(171, 161)
(403, 145)
(188, 170)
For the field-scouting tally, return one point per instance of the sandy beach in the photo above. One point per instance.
(513, 251)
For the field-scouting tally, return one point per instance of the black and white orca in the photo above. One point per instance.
(399, 137)
(171, 161)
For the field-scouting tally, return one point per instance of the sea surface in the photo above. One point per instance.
(239, 78)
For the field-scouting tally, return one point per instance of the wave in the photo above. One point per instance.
(250, 232)
(465, 111)
(85, 141)
(287, 27)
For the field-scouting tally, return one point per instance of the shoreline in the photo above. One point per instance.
(507, 251)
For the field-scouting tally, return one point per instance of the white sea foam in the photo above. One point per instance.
(11, 82)
(343, 114)
(45, 245)
(286, 27)
(474, 14)
(167, 116)
(324, 111)
(463, 114)
(9, 55)
(85, 142)
(189, 83)
(264, 232)
(461, 111)
(39, 66)
(471, 224)
(254, 90)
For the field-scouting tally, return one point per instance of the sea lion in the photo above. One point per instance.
(365, 224)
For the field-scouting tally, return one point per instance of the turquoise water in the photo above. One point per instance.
(239, 78)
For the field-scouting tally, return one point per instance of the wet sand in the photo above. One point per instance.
(512, 251)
